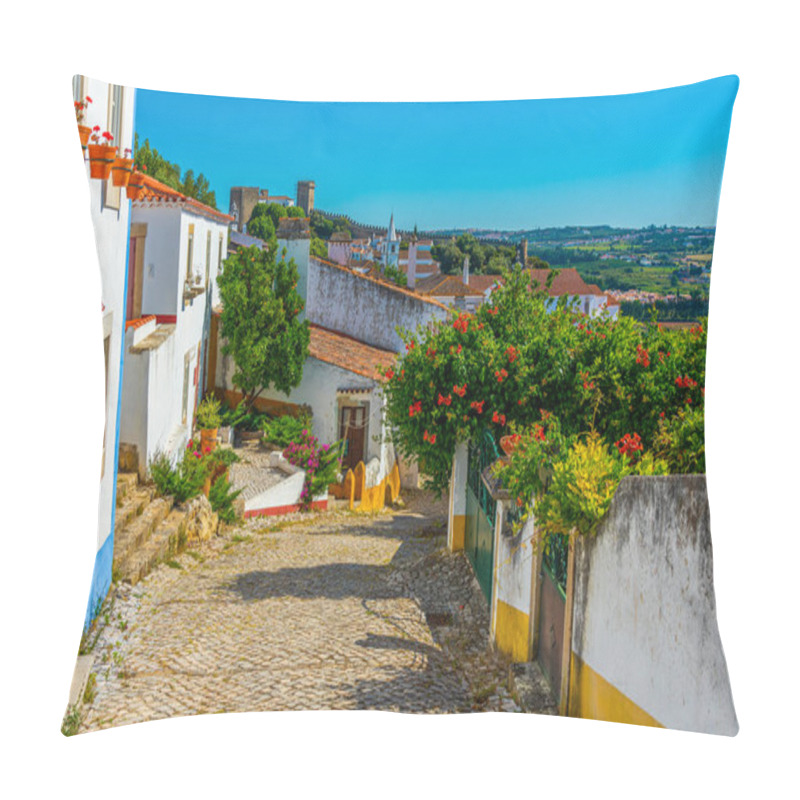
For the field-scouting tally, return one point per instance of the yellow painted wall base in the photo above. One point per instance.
(459, 532)
(512, 632)
(591, 696)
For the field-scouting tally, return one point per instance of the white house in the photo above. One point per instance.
(177, 246)
(112, 109)
(354, 319)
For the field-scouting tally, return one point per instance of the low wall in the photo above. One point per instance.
(514, 564)
(645, 644)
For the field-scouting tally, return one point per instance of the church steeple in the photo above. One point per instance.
(391, 236)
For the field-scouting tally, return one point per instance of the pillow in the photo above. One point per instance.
(404, 407)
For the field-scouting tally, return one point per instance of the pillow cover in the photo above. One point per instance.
(429, 406)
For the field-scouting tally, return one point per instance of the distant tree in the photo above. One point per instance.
(260, 322)
(150, 161)
(318, 248)
(295, 211)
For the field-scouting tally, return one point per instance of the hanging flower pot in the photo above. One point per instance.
(135, 185)
(509, 443)
(84, 131)
(121, 170)
(101, 154)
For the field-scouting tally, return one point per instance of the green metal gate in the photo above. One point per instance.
(481, 511)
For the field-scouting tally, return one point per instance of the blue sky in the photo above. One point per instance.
(624, 160)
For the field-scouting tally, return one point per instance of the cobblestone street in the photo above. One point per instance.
(332, 611)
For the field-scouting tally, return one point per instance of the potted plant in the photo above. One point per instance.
(101, 154)
(509, 443)
(208, 420)
(121, 169)
(135, 185)
(84, 131)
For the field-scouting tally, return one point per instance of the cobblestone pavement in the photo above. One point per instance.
(314, 611)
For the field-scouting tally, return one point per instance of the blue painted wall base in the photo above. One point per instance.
(101, 579)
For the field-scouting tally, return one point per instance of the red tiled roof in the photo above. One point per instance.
(568, 282)
(139, 321)
(391, 286)
(156, 192)
(350, 354)
(446, 286)
(483, 282)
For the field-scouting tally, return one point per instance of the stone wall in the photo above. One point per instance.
(645, 642)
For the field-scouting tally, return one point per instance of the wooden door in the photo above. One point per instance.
(353, 429)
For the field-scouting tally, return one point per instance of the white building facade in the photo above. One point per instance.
(177, 247)
(112, 109)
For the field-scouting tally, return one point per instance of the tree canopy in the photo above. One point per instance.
(147, 159)
(260, 322)
(484, 259)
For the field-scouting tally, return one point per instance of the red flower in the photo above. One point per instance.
(477, 406)
(429, 437)
(460, 390)
(430, 352)
(512, 353)
(642, 356)
(500, 374)
(411, 345)
(462, 323)
(629, 444)
(492, 310)
(96, 128)
(415, 408)
(500, 418)
(88, 99)
(445, 401)
(390, 373)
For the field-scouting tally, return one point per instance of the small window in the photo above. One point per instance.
(208, 257)
(190, 253)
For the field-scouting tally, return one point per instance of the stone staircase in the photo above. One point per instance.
(148, 529)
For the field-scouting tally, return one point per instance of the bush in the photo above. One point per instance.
(221, 498)
(320, 462)
(183, 480)
(283, 430)
(208, 413)
(681, 441)
(242, 419)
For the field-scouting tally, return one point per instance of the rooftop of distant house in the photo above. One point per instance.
(157, 193)
(446, 286)
(567, 281)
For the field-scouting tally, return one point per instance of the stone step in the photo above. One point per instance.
(132, 506)
(164, 542)
(132, 536)
(126, 483)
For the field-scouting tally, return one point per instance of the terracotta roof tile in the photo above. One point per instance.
(156, 192)
(568, 281)
(446, 286)
(347, 353)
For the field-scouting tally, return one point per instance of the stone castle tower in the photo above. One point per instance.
(305, 196)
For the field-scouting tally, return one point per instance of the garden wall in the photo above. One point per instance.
(645, 642)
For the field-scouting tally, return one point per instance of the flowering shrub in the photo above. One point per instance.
(187, 478)
(593, 399)
(104, 138)
(320, 462)
(284, 430)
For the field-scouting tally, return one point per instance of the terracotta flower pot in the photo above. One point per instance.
(84, 131)
(509, 443)
(208, 439)
(121, 171)
(101, 159)
(135, 186)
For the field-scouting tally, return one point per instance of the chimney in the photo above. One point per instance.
(465, 276)
(294, 236)
(411, 276)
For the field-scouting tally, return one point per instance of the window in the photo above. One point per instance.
(190, 253)
(78, 88)
(113, 194)
(208, 257)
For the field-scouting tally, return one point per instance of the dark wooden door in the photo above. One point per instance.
(353, 428)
